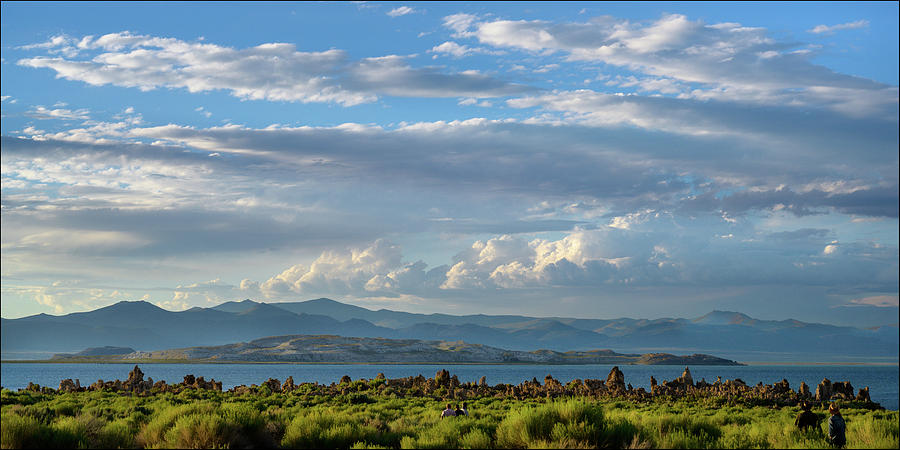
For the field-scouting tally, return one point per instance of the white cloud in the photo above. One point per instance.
(357, 271)
(627, 221)
(579, 259)
(271, 71)
(820, 29)
(201, 110)
(723, 61)
(459, 51)
(610, 163)
(546, 68)
(49, 300)
(400, 11)
(460, 23)
(43, 113)
(451, 48)
(176, 304)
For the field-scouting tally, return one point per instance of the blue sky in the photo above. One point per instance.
(584, 159)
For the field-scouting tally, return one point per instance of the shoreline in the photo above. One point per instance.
(827, 363)
(348, 363)
(455, 363)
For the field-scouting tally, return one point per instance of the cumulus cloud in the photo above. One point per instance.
(374, 270)
(502, 262)
(579, 259)
(723, 61)
(271, 71)
(509, 262)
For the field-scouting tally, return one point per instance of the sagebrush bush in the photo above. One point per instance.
(153, 434)
(550, 424)
(201, 431)
(326, 430)
(23, 431)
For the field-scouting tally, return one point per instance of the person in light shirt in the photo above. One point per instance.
(449, 412)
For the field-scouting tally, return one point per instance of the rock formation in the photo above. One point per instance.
(686, 379)
(615, 381)
(288, 385)
(863, 395)
(803, 391)
(445, 386)
(823, 390)
(842, 390)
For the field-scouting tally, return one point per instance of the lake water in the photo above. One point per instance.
(882, 380)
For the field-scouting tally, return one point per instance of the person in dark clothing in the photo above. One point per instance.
(837, 429)
(806, 419)
(459, 411)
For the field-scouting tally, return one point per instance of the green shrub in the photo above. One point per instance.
(620, 433)
(326, 430)
(873, 432)
(202, 431)
(118, 434)
(476, 438)
(551, 425)
(154, 433)
(216, 419)
(24, 432)
(359, 399)
(69, 432)
(65, 408)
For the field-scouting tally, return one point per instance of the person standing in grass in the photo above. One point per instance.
(837, 429)
(449, 412)
(806, 419)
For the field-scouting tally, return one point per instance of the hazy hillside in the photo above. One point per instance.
(327, 348)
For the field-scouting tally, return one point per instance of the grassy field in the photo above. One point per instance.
(210, 419)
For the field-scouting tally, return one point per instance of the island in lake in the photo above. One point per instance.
(340, 349)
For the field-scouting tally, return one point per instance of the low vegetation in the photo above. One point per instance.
(211, 419)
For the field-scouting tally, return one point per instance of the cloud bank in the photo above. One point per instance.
(271, 71)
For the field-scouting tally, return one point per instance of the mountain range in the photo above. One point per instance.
(145, 327)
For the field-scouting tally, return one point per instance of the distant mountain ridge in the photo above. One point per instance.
(143, 326)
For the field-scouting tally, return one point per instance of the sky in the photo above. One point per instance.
(594, 160)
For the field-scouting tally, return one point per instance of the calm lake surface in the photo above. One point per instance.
(882, 380)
